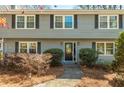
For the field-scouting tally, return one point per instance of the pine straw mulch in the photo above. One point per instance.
(96, 77)
(10, 79)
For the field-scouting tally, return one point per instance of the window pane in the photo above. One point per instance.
(109, 48)
(30, 21)
(103, 22)
(23, 47)
(109, 45)
(58, 22)
(109, 51)
(20, 18)
(32, 47)
(100, 48)
(103, 18)
(68, 21)
(20, 22)
(113, 21)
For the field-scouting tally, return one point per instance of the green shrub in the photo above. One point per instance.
(88, 56)
(118, 63)
(57, 56)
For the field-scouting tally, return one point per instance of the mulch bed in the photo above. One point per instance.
(96, 77)
(10, 79)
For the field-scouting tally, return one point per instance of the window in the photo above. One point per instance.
(103, 22)
(28, 47)
(26, 21)
(23, 48)
(20, 22)
(30, 21)
(68, 21)
(58, 22)
(63, 21)
(109, 48)
(105, 48)
(32, 48)
(113, 22)
(108, 22)
(100, 48)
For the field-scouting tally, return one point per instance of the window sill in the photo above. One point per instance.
(25, 28)
(106, 55)
(108, 28)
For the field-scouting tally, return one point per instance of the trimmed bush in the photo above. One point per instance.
(118, 63)
(88, 56)
(28, 63)
(57, 56)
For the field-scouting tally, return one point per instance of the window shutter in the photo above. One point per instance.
(37, 21)
(51, 21)
(75, 21)
(39, 47)
(16, 47)
(13, 21)
(96, 21)
(120, 21)
(94, 45)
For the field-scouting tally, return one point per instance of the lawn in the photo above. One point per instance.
(96, 77)
(10, 79)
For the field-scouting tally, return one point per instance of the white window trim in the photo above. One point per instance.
(27, 45)
(63, 20)
(25, 21)
(108, 26)
(105, 48)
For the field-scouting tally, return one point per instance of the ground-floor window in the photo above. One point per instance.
(105, 48)
(28, 47)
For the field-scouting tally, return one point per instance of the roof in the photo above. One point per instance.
(40, 9)
(61, 11)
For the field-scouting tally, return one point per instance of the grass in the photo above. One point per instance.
(10, 79)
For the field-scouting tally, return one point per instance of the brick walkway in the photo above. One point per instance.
(72, 75)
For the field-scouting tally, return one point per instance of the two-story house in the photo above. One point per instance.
(34, 31)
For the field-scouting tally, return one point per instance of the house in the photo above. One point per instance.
(34, 31)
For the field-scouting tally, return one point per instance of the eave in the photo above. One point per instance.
(62, 12)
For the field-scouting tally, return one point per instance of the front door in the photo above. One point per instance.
(70, 51)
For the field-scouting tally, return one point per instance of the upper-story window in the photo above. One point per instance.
(64, 21)
(26, 21)
(108, 22)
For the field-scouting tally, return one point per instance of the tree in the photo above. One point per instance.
(118, 65)
(101, 7)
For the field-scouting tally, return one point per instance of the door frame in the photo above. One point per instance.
(72, 51)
